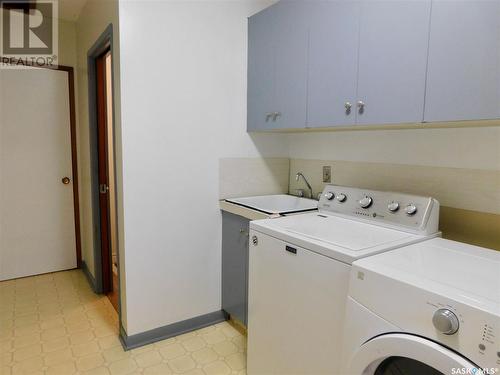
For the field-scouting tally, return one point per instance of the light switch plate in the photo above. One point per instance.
(327, 173)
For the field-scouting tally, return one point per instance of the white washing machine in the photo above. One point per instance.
(299, 273)
(429, 308)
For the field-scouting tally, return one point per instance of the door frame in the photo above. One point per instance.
(102, 44)
(74, 153)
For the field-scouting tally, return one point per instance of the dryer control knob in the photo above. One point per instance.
(329, 195)
(411, 209)
(445, 321)
(365, 202)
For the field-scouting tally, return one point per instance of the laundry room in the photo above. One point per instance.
(261, 187)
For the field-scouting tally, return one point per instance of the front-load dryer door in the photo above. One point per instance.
(406, 354)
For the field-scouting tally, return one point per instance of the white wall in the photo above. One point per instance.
(183, 79)
(474, 148)
(67, 44)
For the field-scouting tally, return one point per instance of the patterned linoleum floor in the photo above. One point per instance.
(55, 324)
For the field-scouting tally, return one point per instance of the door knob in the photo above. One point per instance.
(65, 180)
(347, 106)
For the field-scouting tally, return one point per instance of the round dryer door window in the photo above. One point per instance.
(404, 365)
(398, 353)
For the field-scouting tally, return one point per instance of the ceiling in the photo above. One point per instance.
(69, 10)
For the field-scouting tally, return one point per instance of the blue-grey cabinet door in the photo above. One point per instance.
(235, 266)
(333, 63)
(392, 61)
(463, 79)
(277, 67)
(290, 51)
(261, 61)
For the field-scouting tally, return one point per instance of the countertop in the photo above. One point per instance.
(242, 211)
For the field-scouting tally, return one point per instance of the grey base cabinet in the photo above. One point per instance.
(235, 266)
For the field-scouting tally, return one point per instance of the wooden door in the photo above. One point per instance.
(103, 173)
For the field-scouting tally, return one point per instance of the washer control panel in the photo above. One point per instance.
(416, 213)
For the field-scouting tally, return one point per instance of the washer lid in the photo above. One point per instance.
(466, 273)
(334, 236)
(349, 234)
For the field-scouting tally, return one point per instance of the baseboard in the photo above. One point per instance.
(89, 276)
(171, 330)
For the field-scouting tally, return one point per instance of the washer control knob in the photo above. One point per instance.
(445, 321)
(341, 197)
(365, 202)
(329, 195)
(393, 206)
(411, 209)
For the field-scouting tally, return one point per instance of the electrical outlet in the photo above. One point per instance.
(327, 173)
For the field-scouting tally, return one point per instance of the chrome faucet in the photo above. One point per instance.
(297, 178)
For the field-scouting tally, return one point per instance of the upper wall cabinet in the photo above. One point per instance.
(333, 63)
(260, 97)
(393, 43)
(277, 67)
(463, 79)
(361, 71)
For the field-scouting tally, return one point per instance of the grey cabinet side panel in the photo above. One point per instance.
(235, 265)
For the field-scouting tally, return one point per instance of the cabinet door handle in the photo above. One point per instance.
(255, 240)
(347, 106)
(268, 116)
(361, 107)
(276, 115)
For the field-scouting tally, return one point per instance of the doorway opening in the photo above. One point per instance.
(100, 68)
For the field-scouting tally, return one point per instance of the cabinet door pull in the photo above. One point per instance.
(347, 106)
(361, 107)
